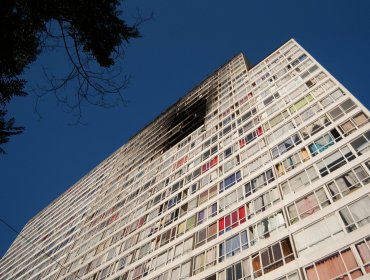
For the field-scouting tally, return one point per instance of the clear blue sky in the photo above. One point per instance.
(185, 41)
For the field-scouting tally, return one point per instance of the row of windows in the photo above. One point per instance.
(343, 264)
(333, 226)
(349, 263)
(254, 266)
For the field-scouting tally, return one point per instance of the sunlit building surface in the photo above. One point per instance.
(257, 173)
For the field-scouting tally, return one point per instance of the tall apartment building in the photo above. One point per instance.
(257, 173)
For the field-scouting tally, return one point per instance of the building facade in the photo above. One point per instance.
(258, 173)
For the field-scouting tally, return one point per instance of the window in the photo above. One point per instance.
(343, 108)
(165, 237)
(196, 173)
(229, 181)
(275, 120)
(161, 259)
(206, 154)
(324, 87)
(185, 270)
(227, 129)
(178, 250)
(230, 164)
(307, 205)
(232, 246)
(111, 254)
(335, 161)
(311, 82)
(250, 152)
(181, 228)
(301, 103)
(199, 262)
(361, 144)
(340, 265)
(262, 202)
(331, 98)
(188, 244)
(353, 123)
(211, 257)
(347, 182)
(190, 222)
(204, 260)
(259, 181)
(270, 99)
(309, 71)
(200, 237)
(203, 197)
(192, 204)
(283, 130)
(315, 127)
(291, 162)
(212, 210)
(228, 200)
(247, 116)
(174, 274)
(180, 162)
(244, 240)
(228, 152)
(245, 97)
(227, 120)
(256, 164)
(144, 249)
(137, 272)
(210, 164)
(264, 228)
(360, 119)
(275, 107)
(285, 145)
(317, 234)
(177, 186)
(121, 263)
(107, 271)
(212, 231)
(356, 214)
(272, 257)
(172, 201)
(299, 181)
(250, 137)
(229, 248)
(231, 220)
(291, 276)
(324, 142)
(307, 114)
(363, 249)
(239, 270)
(201, 216)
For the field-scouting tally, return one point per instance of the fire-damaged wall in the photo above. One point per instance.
(176, 123)
(187, 118)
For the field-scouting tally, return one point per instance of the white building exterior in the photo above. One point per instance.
(257, 173)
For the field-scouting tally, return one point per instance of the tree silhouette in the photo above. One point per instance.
(91, 32)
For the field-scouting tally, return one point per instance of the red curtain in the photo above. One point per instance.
(330, 267)
(242, 214)
(221, 224)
